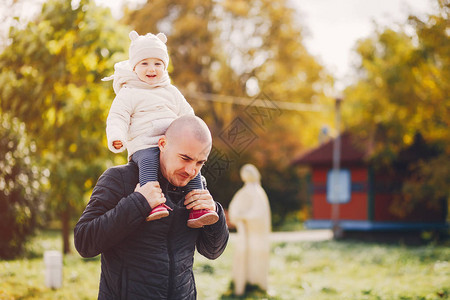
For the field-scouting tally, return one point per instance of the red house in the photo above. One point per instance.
(371, 195)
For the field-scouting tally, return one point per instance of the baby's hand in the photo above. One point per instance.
(117, 144)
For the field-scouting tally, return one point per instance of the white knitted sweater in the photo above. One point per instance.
(141, 113)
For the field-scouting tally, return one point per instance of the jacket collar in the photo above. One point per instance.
(166, 186)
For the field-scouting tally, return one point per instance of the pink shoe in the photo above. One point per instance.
(201, 217)
(158, 212)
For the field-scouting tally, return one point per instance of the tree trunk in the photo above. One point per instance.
(65, 221)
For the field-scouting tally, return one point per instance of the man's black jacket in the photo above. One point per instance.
(143, 260)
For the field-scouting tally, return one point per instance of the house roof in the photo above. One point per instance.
(351, 153)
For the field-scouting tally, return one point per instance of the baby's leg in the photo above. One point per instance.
(195, 184)
(148, 164)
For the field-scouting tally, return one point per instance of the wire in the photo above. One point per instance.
(266, 103)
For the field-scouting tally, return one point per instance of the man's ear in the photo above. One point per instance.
(162, 142)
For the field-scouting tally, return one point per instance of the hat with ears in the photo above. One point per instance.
(148, 46)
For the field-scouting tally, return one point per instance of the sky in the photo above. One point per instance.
(334, 26)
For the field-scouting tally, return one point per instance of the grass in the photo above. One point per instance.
(345, 270)
(301, 270)
(25, 278)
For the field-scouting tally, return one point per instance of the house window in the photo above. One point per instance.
(339, 185)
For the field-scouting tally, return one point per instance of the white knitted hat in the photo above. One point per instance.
(148, 46)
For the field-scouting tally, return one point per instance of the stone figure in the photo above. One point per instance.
(249, 211)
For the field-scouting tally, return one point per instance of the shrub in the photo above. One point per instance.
(20, 184)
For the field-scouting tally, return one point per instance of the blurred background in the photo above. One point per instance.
(264, 75)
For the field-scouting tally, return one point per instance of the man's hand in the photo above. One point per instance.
(152, 193)
(200, 199)
(117, 144)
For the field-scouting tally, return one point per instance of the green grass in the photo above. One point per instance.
(25, 278)
(303, 270)
(345, 270)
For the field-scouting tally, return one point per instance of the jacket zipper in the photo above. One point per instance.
(171, 258)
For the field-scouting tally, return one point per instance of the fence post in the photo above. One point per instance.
(53, 269)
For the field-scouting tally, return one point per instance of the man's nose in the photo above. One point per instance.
(191, 169)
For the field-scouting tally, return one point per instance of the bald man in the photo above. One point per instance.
(152, 260)
(180, 162)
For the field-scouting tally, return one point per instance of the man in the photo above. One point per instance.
(152, 260)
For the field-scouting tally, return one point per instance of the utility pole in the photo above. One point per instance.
(337, 231)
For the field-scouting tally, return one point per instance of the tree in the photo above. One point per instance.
(22, 186)
(50, 80)
(403, 92)
(242, 49)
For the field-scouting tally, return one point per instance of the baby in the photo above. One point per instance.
(145, 105)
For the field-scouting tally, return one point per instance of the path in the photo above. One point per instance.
(316, 235)
(302, 236)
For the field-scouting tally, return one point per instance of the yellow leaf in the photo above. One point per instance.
(73, 148)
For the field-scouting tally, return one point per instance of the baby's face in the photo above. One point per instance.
(150, 70)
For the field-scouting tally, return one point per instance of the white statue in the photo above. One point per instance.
(249, 211)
